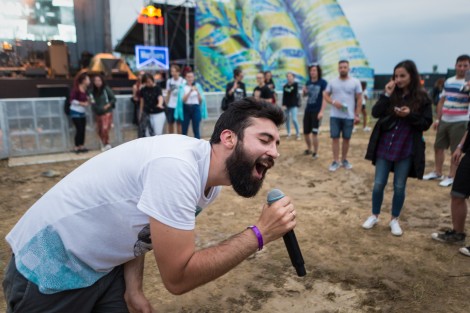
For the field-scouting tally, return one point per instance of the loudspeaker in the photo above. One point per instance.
(59, 59)
(35, 72)
(48, 91)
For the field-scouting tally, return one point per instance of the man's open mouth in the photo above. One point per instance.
(261, 167)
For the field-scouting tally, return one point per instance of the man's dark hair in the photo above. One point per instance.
(343, 61)
(319, 71)
(240, 115)
(463, 58)
(237, 72)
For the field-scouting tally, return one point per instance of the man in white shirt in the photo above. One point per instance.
(343, 93)
(80, 248)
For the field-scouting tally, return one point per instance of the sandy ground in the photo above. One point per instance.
(349, 269)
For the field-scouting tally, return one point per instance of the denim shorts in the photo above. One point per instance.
(170, 115)
(341, 125)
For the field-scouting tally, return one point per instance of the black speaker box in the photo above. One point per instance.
(35, 72)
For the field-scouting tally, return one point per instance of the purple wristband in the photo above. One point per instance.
(258, 236)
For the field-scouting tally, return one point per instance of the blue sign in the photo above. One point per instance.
(152, 57)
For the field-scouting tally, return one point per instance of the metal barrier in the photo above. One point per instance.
(39, 126)
(35, 126)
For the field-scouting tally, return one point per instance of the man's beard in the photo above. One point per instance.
(240, 170)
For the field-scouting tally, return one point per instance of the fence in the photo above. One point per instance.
(39, 126)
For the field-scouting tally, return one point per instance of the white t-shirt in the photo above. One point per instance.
(365, 96)
(172, 86)
(97, 217)
(344, 91)
(193, 96)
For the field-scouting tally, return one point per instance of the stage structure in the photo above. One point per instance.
(277, 35)
(177, 21)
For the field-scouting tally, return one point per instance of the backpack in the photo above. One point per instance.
(224, 103)
(67, 106)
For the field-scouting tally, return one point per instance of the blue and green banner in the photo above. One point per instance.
(277, 35)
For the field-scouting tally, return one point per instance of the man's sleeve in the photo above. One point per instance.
(358, 87)
(171, 189)
(328, 88)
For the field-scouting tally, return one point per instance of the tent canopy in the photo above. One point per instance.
(108, 64)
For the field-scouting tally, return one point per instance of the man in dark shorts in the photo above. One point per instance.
(314, 109)
(459, 193)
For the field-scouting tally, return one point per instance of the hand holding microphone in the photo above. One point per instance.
(289, 238)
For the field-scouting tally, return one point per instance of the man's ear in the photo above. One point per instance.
(228, 139)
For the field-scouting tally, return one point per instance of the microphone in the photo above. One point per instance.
(289, 238)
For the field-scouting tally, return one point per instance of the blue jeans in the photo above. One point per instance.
(382, 169)
(292, 113)
(192, 113)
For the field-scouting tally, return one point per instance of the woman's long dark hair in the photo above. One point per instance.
(417, 95)
(78, 80)
(98, 91)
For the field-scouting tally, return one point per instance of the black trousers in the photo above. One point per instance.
(104, 296)
(80, 126)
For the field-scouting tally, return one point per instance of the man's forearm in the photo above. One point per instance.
(210, 263)
(134, 273)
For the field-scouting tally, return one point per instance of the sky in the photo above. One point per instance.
(429, 32)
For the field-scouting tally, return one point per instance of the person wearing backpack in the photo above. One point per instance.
(103, 108)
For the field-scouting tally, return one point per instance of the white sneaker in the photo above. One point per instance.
(370, 222)
(465, 251)
(446, 182)
(367, 129)
(432, 175)
(395, 227)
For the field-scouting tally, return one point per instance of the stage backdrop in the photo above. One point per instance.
(277, 35)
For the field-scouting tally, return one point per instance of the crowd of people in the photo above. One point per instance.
(404, 111)
(151, 201)
(178, 105)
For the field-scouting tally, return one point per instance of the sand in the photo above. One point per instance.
(349, 269)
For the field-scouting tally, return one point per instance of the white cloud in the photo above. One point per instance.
(430, 32)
